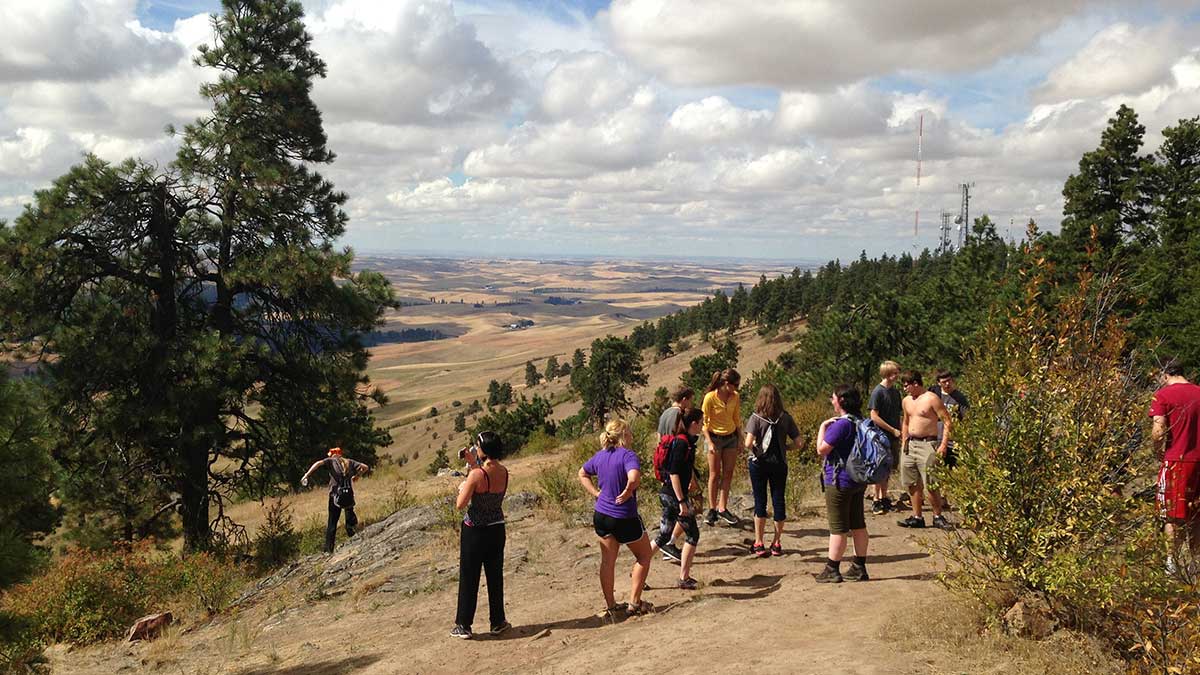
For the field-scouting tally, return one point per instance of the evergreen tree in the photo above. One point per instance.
(613, 366)
(532, 376)
(1110, 190)
(219, 274)
(29, 477)
(551, 372)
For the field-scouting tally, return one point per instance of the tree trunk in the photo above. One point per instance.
(197, 531)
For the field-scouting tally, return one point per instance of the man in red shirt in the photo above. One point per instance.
(1176, 434)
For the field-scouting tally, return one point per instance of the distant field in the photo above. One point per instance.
(467, 297)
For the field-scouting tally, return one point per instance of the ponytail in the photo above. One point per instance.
(727, 376)
(613, 434)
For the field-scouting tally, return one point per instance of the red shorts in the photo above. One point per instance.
(1178, 489)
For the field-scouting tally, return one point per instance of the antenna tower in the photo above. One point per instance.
(920, 139)
(944, 243)
(964, 214)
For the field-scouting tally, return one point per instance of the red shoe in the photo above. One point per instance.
(776, 549)
(759, 551)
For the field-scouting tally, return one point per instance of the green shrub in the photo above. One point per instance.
(277, 542)
(1045, 457)
(440, 461)
(558, 484)
(399, 497)
(20, 645)
(540, 442)
(86, 596)
(212, 582)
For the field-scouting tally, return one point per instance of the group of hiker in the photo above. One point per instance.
(910, 434)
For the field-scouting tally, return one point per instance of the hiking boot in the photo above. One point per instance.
(496, 630)
(688, 584)
(728, 517)
(911, 521)
(461, 632)
(671, 552)
(941, 523)
(711, 517)
(759, 551)
(856, 573)
(829, 576)
(776, 549)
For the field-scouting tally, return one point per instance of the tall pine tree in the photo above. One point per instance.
(202, 312)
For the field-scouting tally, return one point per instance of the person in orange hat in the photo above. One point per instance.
(342, 473)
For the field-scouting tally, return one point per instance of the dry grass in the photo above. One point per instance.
(954, 637)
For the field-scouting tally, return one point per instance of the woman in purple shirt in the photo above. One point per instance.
(616, 518)
(843, 497)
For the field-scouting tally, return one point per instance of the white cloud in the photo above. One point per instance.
(406, 62)
(78, 40)
(1121, 59)
(818, 44)
(487, 124)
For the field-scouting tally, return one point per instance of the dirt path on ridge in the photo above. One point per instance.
(756, 615)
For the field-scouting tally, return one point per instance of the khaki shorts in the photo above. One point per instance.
(919, 463)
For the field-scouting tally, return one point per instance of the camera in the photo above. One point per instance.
(462, 454)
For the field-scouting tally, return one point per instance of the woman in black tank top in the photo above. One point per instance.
(482, 539)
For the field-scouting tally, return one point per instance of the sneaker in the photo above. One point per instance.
(776, 549)
(671, 552)
(878, 507)
(911, 521)
(496, 630)
(941, 523)
(688, 584)
(711, 518)
(856, 573)
(759, 551)
(887, 504)
(728, 517)
(829, 576)
(461, 632)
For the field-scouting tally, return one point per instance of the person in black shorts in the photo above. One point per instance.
(679, 469)
(616, 520)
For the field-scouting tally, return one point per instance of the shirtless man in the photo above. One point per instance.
(918, 436)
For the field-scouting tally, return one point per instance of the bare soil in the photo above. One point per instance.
(765, 615)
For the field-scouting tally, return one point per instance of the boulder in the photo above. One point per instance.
(149, 627)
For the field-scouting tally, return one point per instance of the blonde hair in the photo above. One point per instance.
(889, 368)
(614, 433)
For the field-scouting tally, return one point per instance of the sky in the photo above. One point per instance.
(676, 128)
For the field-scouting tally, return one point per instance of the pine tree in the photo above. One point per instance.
(1110, 190)
(613, 366)
(551, 372)
(220, 275)
(532, 376)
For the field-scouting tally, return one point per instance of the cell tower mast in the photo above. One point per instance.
(944, 242)
(964, 214)
(920, 139)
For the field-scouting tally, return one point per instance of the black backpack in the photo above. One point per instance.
(343, 494)
(769, 448)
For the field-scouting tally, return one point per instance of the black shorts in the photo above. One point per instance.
(626, 530)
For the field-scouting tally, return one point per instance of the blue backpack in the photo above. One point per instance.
(870, 460)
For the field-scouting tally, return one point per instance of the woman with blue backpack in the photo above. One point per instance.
(767, 434)
(843, 495)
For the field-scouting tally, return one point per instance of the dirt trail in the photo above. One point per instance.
(767, 615)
